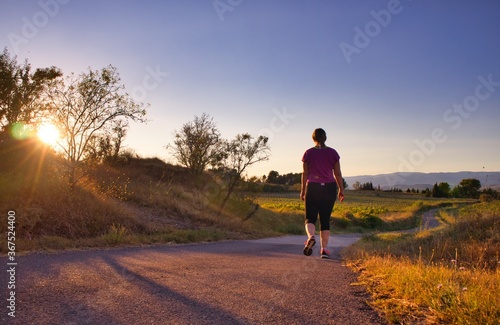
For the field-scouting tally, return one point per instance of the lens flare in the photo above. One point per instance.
(48, 133)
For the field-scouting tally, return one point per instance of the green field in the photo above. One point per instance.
(364, 211)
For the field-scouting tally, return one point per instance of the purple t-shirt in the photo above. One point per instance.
(320, 162)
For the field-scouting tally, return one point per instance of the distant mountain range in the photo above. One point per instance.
(424, 180)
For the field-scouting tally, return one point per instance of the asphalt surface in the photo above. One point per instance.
(266, 281)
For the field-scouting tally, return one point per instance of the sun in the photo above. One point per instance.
(48, 133)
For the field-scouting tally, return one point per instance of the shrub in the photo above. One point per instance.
(485, 198)
(341, 222)
(115, 234)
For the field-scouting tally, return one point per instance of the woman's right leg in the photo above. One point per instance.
(312, 208)
(311, 216)
(310, 229)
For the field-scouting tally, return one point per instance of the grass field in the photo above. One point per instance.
(449, 275)
(365, 211)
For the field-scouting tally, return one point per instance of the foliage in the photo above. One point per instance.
(447, 275)
(240, 153)
(116, 234)
(21, 91)
(413, 293)
(287, 179)
(441, 190)
(361, 211)
(135, 202)
(468, 187)
(88, 108)
(368, 186)
(489, 194)
(197, 144)
(106, 148)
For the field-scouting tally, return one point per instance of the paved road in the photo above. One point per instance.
(266, 281)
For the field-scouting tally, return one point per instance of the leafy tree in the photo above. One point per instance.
(272, 177)
(491, 192)
(441, 190)
(106, 147)
(468, 187)
(444, 188)
(87, 108)
(240, 153)
(368, 186)
(21, 90)
(288, 179)
(198, 144)
(435, 191)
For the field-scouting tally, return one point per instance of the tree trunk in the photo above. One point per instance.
(230, 189)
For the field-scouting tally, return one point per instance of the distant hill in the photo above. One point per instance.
(424, 180)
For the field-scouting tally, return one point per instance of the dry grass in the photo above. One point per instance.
(411, 293)
(144, 201)
(450, 275)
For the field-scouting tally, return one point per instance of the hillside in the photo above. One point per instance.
(135, 201)
(425, 180)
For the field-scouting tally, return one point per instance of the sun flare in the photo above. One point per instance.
(48, 133)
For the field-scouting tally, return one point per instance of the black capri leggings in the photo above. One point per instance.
(320, 198)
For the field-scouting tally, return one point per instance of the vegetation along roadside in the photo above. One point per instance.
(83, 190)
(447, 275)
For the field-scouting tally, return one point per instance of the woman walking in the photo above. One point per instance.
(321, 183)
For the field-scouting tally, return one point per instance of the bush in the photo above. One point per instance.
(369, 221)
(342, 223)
(273, 188)
(485, 198)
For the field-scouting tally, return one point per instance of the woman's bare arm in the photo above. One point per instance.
(340, 181)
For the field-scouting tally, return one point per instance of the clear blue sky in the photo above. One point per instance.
(397, 85)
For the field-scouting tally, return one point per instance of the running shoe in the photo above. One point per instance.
(309, 245)
(325, 253)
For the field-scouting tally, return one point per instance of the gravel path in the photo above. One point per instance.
(265, 281)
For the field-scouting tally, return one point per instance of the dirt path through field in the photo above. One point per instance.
(429, 221)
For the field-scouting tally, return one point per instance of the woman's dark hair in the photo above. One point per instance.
(319, 135)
